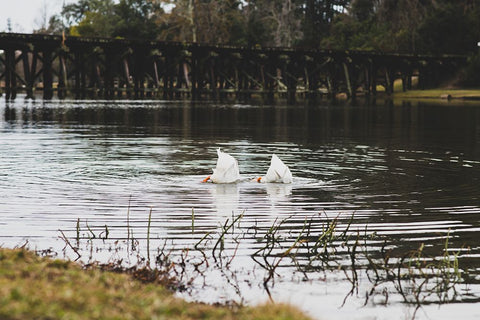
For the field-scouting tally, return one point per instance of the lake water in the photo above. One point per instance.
(392, 175)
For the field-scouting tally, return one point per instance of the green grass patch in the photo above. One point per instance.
(33, 287)
(440, 94)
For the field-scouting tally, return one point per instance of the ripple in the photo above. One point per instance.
(107, 163)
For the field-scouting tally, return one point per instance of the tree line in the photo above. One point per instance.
(407, 26)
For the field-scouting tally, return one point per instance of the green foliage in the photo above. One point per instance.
(416, 26)
(470, 76)
(205, 22)
(90, 25)
(318, 16)
(218, 22)
(450, 29)
(107, 18)
(362, 9)
(135, 19)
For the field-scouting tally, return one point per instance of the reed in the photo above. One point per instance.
(310, 245)
(221, 238)
(416, 276)
(90, 230)
(67, 243)
(104, 234)
(128, 219)
(148, 236)
(78, 232)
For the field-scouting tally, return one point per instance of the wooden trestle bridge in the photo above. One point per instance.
(116, 68)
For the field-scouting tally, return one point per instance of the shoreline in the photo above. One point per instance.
(439, 94)
(38, 287)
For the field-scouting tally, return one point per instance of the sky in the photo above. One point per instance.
(27, 15)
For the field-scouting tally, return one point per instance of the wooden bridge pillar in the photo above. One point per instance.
(389, 80)
(373, 78)
(221, 70)
(139, 60)
(47, 74)
(367, 79)
(194, 73)
(213, 75)
(291, 79)
(243, 92)
(10, 77)
(169, 73)
(62, 75)
(350, 91)
(156, 76)
(269, 77)
(311, 78)
(240, 79)
(125, 83)
(27, 73)
(182, 61)
(80, 74)
(109, 85)
(94, 84)
(332, 85)
(408, 84)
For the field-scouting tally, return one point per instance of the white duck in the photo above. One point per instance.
(277, 172)
(226, 170)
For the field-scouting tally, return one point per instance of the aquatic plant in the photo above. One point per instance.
(419, 278)
(310, 245)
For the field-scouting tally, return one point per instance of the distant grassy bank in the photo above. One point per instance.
(446, 94)
(32, 287)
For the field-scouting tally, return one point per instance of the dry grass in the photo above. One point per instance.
(32, 287)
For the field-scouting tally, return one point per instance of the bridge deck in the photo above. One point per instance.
(108, 68)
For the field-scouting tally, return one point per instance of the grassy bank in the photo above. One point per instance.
(446, 94)
(32, 287)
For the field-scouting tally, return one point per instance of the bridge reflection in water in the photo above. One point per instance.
(116, 68)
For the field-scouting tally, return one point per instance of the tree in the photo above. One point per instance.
(362, 10)
(93, 18)
(137, 19)
(318, 15)
(55, 26)
(42, 19)
(286, 24)
(273, 23)
(204, 21)
(75, 12)
(219, 22)
(105, 18)
(177, 24)
(258, 32)
(449, 29)
(402, 18)
(432, 26)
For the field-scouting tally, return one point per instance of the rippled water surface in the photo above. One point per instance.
(398, 174)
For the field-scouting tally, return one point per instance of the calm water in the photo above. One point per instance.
(407, 173)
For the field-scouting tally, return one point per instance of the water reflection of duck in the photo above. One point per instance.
(226, 197)
(277, 191)
(226, 170)
(278, 172)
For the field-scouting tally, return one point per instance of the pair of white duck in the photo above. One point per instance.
(227, 171)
